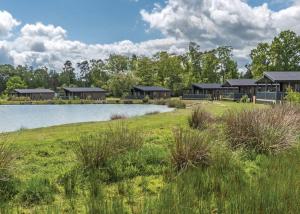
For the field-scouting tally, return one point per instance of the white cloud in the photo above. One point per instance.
(213, 23)
(40, 45)
(7, 23)
(209, 22)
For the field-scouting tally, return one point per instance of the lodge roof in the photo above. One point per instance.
(151, 88)
(281, 76)
(240, 82)
(33, 91)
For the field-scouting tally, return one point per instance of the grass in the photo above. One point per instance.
(234, 181)
(269, 130)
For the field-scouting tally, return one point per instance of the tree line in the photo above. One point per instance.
(118, 73)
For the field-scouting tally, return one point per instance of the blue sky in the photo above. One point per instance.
(48, 32)
(96, 21)
(91, 21)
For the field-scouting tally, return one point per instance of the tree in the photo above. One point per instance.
(117, 64)
(6, 71)
(40, 78)
(195, 56)
(145, 71)
(121, 84)
(285, 52)
(98, 74)
(67, 77)
(227, 66)
(210, 66)
(84, 68)
(13, 83)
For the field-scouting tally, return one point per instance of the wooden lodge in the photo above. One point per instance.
(273, 86)
(243, 87)
(34, 94)
(153, 92)
(85, 93)
(207, 91)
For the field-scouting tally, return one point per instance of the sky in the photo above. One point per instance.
(49, 32)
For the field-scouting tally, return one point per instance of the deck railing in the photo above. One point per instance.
(270, 95)
(196, 96)
(233, 96)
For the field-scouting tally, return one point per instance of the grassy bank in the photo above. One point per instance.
(49, 177)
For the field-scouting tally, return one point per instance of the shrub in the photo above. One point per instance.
(176, 104)
(191, 149)
(38, 191)
(245, 99)
(292, 96)
(117, 117)
(94, 151)
(146, 99)
(268, 130)
(200, 119)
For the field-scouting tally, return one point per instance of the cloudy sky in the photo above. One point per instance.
(48, 32)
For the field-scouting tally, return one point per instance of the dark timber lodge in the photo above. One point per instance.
(34, 94)
(85, 93)
(208, 91)
(153, 92)
(272, 87)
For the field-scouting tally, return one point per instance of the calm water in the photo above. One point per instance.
(13, 118)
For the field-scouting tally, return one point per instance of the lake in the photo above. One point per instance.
(16, 117)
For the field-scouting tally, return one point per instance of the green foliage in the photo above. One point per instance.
(292, 96)
(281, 55)
(200, 118)
(14, 83)
(245, 99)
(38, 191)
(268, 131)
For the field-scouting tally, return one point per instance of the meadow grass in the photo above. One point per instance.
(52, 178)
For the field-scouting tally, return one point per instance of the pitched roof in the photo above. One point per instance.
(283, 76)
(208, 85)
(33, 91)
(151, 88)
(84, 89)
(240, 82)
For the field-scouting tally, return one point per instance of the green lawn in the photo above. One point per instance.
(47, 153)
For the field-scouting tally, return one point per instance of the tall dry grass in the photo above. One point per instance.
(94, 151)
(268, 130)
(191, 149)
(200, 119)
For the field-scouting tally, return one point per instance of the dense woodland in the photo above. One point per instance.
(118, 73)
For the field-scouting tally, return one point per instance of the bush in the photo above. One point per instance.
(38, 191)
(117, 117)
(191, 149)
(146, 99)
(245, 99)
(176, 104)
(292, 96)
(200, 119)
(269, 130)
(94, 151)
